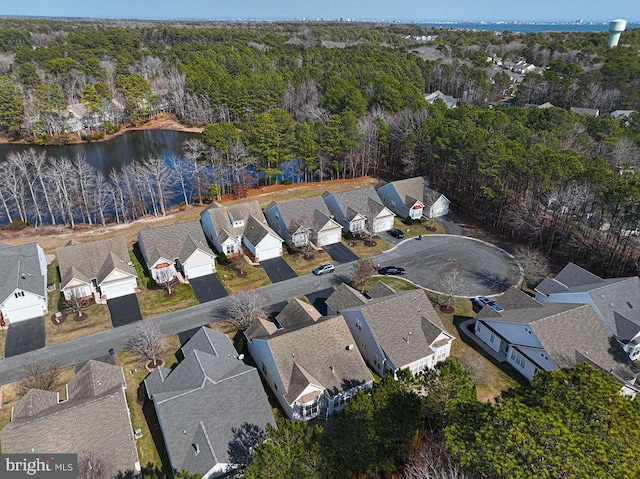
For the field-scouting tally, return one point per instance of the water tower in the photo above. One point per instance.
(616, 27)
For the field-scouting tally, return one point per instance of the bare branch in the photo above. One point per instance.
(362, 270)
(42, 375)
(243, 308)
(534, 264)
(147, 342)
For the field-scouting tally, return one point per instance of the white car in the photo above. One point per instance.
(324, 268)
(483, 301)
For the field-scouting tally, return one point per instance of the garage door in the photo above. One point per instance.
(329, 237)
(118, 289)
(197, 271)
(270, 253)
(23, 314)
(384, 224)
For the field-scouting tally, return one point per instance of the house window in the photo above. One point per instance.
(441, 353)
(264, 369)
(19, 294)
(359, 324)
(518, 358)
(275, 386)
(478, 327)
(229, 249)
(238, 223)
(364, 345)
(393, 203)
(492, 338)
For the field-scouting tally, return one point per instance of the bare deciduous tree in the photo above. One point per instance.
(243, 308)
(432, 461)
(534, 264)
(75, 302)
(165, 278)
(38, 375)
(92, 466)
(452, 283)
(148, 342)
(362, 270)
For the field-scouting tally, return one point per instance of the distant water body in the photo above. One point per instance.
(529, 27)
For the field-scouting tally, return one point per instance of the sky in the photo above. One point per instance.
(378, 10)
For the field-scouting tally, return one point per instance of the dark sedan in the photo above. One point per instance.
(396, 233)
(391, 270)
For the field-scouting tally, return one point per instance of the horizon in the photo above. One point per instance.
(421, 11)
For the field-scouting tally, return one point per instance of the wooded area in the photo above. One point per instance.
(334, 101)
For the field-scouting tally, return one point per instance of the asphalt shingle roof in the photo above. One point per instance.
(178, 240)
(318, 354)
(380, 289)
(206, 403)
(345, 297)
(309, 213)
(363, 201)
(20, 269)
(223, 217)
(94, 259)
(98, 424)
(297, 313)
(403, 325)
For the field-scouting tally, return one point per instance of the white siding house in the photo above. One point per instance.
(358, 210)
(412, 198)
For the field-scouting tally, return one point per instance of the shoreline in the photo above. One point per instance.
(162, 121)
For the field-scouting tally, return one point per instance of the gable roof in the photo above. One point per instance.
(404, 325)
(415, 189)
(222, 217)
(96, 423)
(309, 213)
(178, 240)
(257, 229)
(297, 313)
(380, 289)
(573, 333)
(260, 327)
(94, 259)
(209, 400)
(318, 354)
(450, 101)
(345, 297)
(20, 269)
(512, 298)
(363, 201)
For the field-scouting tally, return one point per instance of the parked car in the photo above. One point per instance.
(396, 233)
(483, 301)
(324, 268)
(391, 270)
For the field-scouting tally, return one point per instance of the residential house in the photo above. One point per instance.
(622, 115)
(211, 408)
(399, 331)
(344, 297)
(101, 268)
(305, 220)
(450, 101)
(585, 111)
(380, 289)
(229, 228)
(616, 301)
(92, 422)
(178, 248)
(532, 336)
(412, 198)
(23, 282)
(311, 364)
(358, 210)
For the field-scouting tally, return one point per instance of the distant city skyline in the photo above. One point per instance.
(357, 10)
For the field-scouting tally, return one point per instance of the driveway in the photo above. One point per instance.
(24, 336)
(208, 288)
(483, 268)
(124, 310)
(340, 253)
(278, 270)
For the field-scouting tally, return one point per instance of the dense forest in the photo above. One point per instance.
(341, 101)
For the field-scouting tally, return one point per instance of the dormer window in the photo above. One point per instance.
(19, 294)
(238, 223)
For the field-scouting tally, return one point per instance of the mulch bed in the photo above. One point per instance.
(150, 365)
(58, 321)
(447, 309)
(370, 243)
(169, 295)
(80, 318)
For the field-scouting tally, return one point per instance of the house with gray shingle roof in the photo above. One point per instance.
(344, 297)
(615, 300)
(178, 248)
(211, 408)
(399, 331)
(532, 336)
(93, 421)
(585, 111)
(304, 220)
(450, 101)
(229, 228)
(101, 268)
(23, 282)
(311, 365)
(359, 209)
(413, 198)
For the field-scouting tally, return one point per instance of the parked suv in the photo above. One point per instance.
(396, 233)
(391, 270)
(324, 268)
(483, 301)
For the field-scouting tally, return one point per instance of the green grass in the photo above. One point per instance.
(415, 229)
(396, 283)
(255, 277)
(302, 265)
(363, 251)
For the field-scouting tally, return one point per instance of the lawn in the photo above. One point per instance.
(150, 445)
(363, 251)
(302, 265)
(9, 394)
(255, 277)
(491, 379)
(151, 298)
(415, 229)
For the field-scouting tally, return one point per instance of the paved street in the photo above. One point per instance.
(418, 255)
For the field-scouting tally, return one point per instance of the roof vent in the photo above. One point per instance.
(350, 347)
(611, 304)
(293, 355)
(23, 276)
(196, 448)
(241, 357)
(333, 369)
